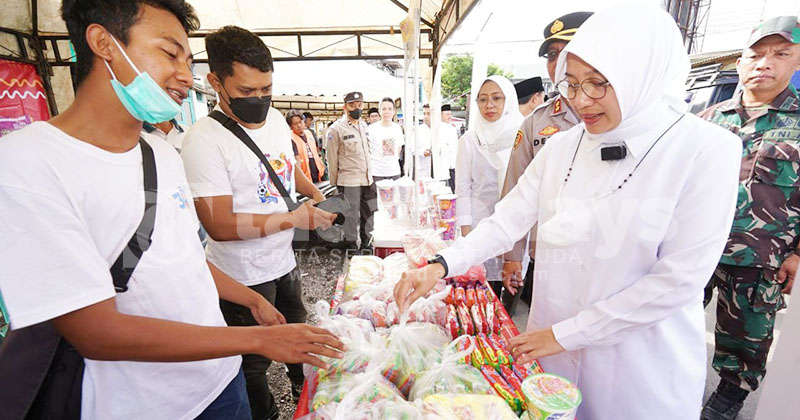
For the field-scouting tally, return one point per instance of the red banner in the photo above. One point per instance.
(22, 96)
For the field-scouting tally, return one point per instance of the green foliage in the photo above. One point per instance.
(457, 75)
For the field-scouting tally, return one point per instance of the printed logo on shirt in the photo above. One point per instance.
(518, 138)
(266, 190)
(388, 147)
(180, 196)
(549, 130)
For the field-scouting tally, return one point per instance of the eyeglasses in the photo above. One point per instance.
(593, 88)
(496, 99)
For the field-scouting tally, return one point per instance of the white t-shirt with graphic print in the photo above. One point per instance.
(68, 209)
(386, 143)
(218, 164)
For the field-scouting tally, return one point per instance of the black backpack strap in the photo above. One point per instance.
(123, 267)
(237, 131)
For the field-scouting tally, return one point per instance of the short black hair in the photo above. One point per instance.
(373, 110)
(232, 44)
(526, 99)
(308, 115)
(291, 114)
(117, 17)
(387, 99)
(426, 106)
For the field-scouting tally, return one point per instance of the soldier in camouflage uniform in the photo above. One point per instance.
(761, 257)
(549, 118)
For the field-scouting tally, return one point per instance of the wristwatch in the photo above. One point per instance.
(440, 259)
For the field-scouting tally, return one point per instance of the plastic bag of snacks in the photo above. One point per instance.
(394, 266)
(382, 409)
(382, 291)
(363, 269)
(473, 407)
(363, 345)
(452, 375)
(367, 387)
(412, 349)
(367, 308)
(421, 246)
(475, 274)
(426, 309)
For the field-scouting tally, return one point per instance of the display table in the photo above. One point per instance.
(302, 405)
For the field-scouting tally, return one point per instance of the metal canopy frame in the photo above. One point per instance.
(46, 50)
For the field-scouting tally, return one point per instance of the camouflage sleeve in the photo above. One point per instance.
(521, 157)
(708, 113)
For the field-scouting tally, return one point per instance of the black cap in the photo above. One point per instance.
(446, 107)
(353, 96)
(371, 110)
(562, 29)
(528, 87)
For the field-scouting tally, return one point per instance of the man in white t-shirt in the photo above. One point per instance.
(71, 196)
(386, 140)
(424, 167)
(170, 131)
(448, 138)
(247, 219)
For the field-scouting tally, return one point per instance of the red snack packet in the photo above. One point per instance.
(507, 333)
(512, 379)
(477, 318)
(463, 345)
(470, 297)
(501, 349)
(488, 352)
(480, 294)
(491, 317)
(452, 322)
(460, 295)
(450, 298)
(502, 388)
(464, 318)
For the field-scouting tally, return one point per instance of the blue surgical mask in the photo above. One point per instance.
(144, 99)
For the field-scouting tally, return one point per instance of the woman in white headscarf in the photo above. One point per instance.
(635, 205)
(482, 159)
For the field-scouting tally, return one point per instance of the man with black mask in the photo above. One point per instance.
(247, 215)
(350, 171)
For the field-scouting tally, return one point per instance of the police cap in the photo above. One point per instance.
(353, 96)
(562, 29)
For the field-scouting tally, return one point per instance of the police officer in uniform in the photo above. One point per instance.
(349, 168)
(549, 118)
(761, 257)
(530, 94)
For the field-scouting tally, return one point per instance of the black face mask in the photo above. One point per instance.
(251, 110)
(354, 114)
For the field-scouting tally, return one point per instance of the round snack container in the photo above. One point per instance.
(447, 206)
(386, 191)
(449, 226)
(551, 397)
(405, 190)
(391, 210)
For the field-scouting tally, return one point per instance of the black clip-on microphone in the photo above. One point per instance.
(613, 152)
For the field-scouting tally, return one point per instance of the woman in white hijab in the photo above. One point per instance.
(482, 159)
(635, 206)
